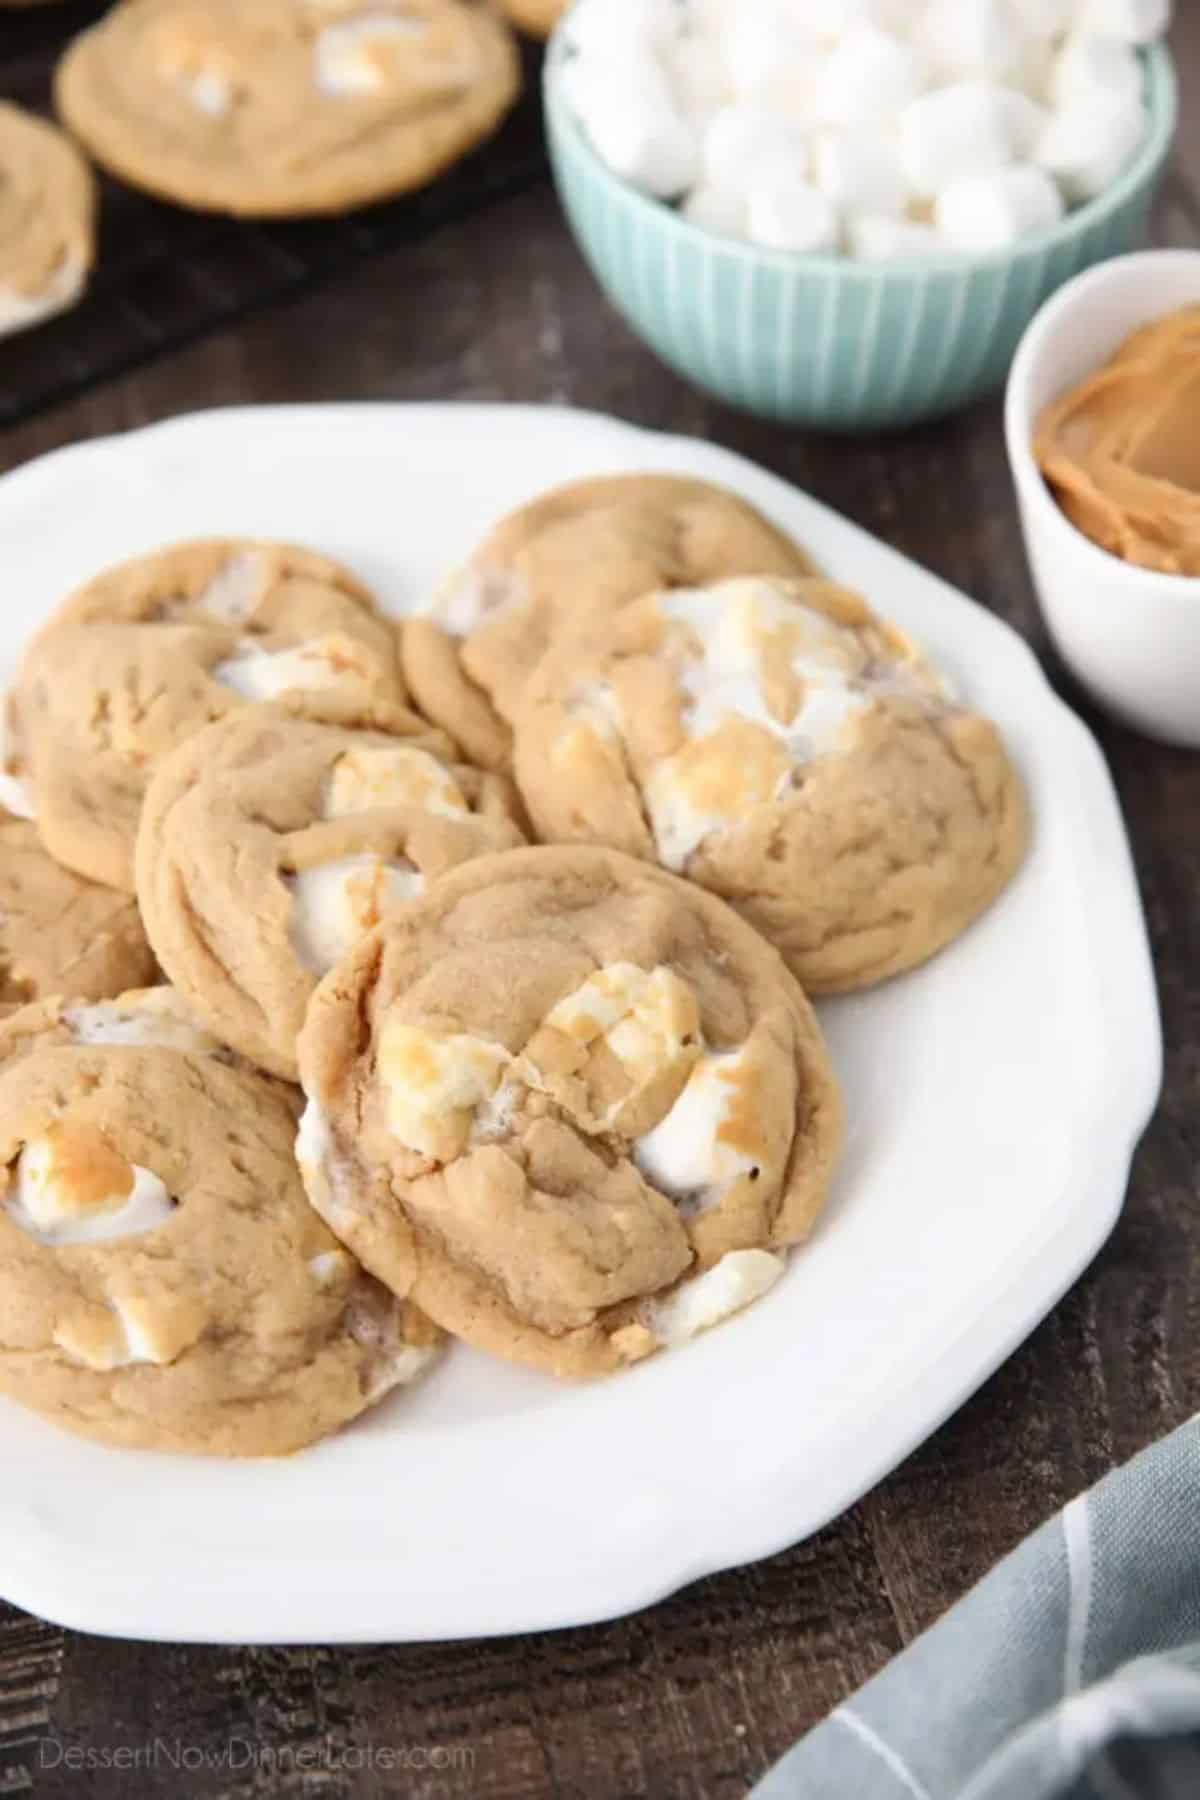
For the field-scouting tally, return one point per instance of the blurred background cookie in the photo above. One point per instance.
(47, 220)
(267, 108)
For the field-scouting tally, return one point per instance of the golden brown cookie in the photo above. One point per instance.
(782, 746)
(537, 17)
(60, 934)
(559, 567)
(163, 1281)
(570, 1105)
(154, 649)
(267, 108)
(269, 843)
(47, 220)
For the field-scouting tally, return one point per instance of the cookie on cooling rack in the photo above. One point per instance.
(267, 108)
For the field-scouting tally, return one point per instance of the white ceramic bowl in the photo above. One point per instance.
(1131, 636)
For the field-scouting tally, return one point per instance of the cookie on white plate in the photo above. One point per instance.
(271, 841)
(786, 748)
(572, 1107)
(152, 650)
(164, 1283)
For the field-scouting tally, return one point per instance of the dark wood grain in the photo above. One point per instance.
(695, 1697)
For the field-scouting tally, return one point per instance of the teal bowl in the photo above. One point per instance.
(821, 340)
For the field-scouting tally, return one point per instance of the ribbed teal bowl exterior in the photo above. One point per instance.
(823, 341)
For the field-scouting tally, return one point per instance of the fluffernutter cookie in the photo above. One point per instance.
(164, 1283)
(782, 746)
(561, 566)
(154, 649)
(571, 1106)
(267, 108)
(47, 220)
(270, 842)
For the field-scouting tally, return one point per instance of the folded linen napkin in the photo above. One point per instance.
(1071, 1672)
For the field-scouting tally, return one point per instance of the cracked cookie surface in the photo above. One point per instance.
(571, 1106)
(270, 842)
(164, 1283)
(266, 108)
(59, 933)
(47, 220)
(782, 746)
(153, 650)
(558, 567)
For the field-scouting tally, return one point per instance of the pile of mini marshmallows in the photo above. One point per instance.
(876, 128)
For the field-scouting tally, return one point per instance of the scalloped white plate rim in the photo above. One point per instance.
(490, 1501)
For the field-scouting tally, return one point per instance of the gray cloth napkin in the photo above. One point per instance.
(1072, 1672)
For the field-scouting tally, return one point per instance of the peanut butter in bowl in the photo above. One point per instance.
(1121, 449)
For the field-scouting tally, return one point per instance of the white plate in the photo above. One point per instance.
(994, 1100)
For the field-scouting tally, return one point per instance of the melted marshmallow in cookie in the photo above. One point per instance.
(770, 684)
(69, 1186)
(325, 662)
(336, 902)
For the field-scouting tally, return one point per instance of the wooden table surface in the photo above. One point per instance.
(697, 1696)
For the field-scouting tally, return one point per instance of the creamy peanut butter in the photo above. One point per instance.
(1121, 451)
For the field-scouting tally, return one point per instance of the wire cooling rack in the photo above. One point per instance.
(166, 277)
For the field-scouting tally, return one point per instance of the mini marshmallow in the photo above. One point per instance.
(1085, 147)
(258, 674)
(74, 1188)
(336, 903)
(618, 28)
(1095, 71)
(648, 1020)
(147, 1018)
(868, 75)
(871, 237)
(990, 212)
(965, 38)
(742, 139)
(788, 213)
(346, 57)
(952, 133)
(233, 590)
(435, 1081)
(740, 1278)
(383, 775)
(1027, 121)
(1043, 20)
(1129, 21)
(698, 78)
(767, 41)
(717, 210)
(209, 92)
(640, 132)
(688, 1155)
(859, 173)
